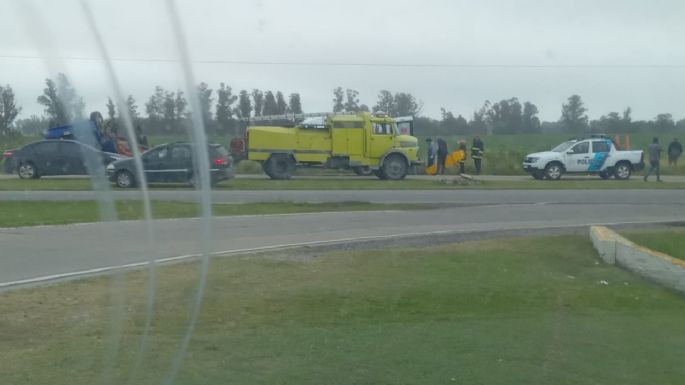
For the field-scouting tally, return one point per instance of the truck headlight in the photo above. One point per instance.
(531, 160)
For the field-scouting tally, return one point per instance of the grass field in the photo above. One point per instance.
(62, 184)
(671, 242)
(34, 213)
(521, 311)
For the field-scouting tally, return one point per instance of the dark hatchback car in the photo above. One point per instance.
(173, 163)
(59, 157)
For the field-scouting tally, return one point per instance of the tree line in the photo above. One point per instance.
(224, 112)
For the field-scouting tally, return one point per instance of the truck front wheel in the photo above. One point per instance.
(394, 167)
(553, 171)
(279, 166)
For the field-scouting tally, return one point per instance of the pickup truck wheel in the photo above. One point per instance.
(279, 166)
(363, 170)
(604, 175)
(394, 167)
(623, 171)
(553, 171)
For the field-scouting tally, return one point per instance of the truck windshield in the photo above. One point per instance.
(563, 147)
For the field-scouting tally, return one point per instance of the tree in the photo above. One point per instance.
(281, 105)
(506, 116)
(385, 103)
(8, 109)
(33, 125)
(54, 107)
(338, 98)
(270, 107)
(155, 105)
(72, 102)
(664, 122)
(461, 126)
(478, 123)
(295, 103)
(573, 117)
(112, 117)
(530, 122)
(351, 100)
(132, 108)
(258, 98)
(244, 108)
(405, 105)
(204, 95)
(180, 106)
(224, 114)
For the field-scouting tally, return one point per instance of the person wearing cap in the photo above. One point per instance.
(674, 151)
(443, 151)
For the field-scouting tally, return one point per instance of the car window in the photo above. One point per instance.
(156, 154)
(581, 148)
(181, 152)
(45, 148)
(601, 146)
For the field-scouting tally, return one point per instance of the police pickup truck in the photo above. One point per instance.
(595, 155)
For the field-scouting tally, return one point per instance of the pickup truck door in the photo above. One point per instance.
(600, 153)
(578, 157)
(382, 139)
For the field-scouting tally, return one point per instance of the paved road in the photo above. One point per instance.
(387, 196)
(28, 253)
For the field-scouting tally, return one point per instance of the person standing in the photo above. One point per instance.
(431, 151)
(462, 162)
(477, 150)
(442, 155)
(654, 151)
(674, 151)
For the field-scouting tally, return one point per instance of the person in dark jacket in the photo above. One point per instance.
(477, 150)
(674, 151)
(442, 155)
(654, 151)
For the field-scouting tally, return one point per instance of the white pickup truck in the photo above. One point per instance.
(595, 155)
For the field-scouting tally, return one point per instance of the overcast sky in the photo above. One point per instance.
(614, 53)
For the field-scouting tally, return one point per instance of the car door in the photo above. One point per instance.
(578, 157)
(72, 154)
(600, 154)
(381, 139)
(47, 158)
(154, 163)
(180, 164)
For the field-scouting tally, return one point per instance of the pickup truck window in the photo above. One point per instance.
(601, 146)
(581, 148)
(562, 147)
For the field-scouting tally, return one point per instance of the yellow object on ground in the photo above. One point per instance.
(454, 158)
(432, 169)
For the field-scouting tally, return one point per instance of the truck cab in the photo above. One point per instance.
(361, 142)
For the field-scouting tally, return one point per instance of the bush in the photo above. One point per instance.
(249, 167)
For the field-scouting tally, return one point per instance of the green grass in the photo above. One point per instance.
(671, 242)
(522, 311)
(35, 213)
(60, 184)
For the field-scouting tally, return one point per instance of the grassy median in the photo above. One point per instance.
(304, 183)
(34, 213)
(520, 311)
(670, 241)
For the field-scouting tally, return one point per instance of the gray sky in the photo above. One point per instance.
(611, 52)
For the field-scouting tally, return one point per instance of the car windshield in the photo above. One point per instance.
(563, 147)
(342, 192)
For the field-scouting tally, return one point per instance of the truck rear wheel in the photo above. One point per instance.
(279, 166)
(623, 171)
(394, 167)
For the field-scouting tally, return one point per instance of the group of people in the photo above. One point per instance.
(439, 154)
(675, 149)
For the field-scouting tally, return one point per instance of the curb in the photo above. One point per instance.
(652, 265)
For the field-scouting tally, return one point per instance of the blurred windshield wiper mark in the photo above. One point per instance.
(201, 163)
(147, 209)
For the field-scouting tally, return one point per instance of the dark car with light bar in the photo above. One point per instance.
(171, 163)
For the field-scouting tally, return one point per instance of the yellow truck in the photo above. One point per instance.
(362, 142)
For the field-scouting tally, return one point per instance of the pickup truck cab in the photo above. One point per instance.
(596, 155)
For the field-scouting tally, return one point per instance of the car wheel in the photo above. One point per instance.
(553, 171)
(394, 167)
(280, 166)
(124, 179)
(623, 171)
(363, 170)
(27, 171)
(539, 175)
(604, 175)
